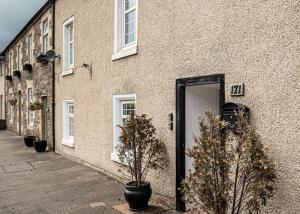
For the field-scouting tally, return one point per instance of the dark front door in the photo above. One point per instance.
(44, 118)
(20, 113)
(194, 97)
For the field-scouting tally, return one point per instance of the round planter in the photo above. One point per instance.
(40, 146)
(137, 197)
(28, 140)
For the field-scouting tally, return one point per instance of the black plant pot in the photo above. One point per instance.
(40, 146)
(17, 73)
(137, 197)
(27, 67)
(8, 77)
(28, 140)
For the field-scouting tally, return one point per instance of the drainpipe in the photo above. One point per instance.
(53, 75)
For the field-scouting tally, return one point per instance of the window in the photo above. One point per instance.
(1, 69)
(11, 63)
(19, 57)
(12, 113)
(45, 36)
(123, 106)
(30, 113)
(68, 123)
(30, 49)
(68, 46)
(125, 32)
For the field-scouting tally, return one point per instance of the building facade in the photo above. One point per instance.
(28, 80)
(2, 96)
(172, 60)
(177, 59)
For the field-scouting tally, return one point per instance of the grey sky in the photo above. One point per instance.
(14, 14)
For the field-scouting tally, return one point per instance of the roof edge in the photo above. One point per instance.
(27, 25)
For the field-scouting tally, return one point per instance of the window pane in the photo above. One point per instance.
(71, 109)
(71, 53)
(70, 29)
(129, 4)
(71, 126)
(130, 27)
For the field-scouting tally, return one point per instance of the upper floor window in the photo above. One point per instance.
(30, 48)
(11, 63)
(68, 46)
(45, 35)
(19, 57)
(125, 32)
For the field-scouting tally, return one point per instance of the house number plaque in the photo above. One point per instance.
(237, 89)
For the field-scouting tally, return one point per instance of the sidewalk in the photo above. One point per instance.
(45, 183)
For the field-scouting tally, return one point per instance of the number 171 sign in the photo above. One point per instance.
(237, 89)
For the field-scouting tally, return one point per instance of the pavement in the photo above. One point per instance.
(48, 183)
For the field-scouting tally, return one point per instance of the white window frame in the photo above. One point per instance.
(30, 48)
(11, 63)
(117, 119)
(120, 50)
(68, 68)
(45, 35)
(12, 113)
(67, 140)
(19, 49)
(31, 114)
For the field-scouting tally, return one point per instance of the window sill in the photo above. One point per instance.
(114, 157)
(124, 52)
(69, 143)
(67, 72)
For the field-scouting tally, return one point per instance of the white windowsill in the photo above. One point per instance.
(69, 143)
(68, 71)
(124, 52)
(114, 157)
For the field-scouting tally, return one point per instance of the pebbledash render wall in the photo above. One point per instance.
(39, 80)
(254, 42)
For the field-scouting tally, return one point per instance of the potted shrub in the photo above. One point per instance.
(8, 77)
(28, 140)
(40, 145)
(42, 59)
(140, 151)
(17, 73)
(35, 106)
(27, 67)
(13, 101)
(232, 172)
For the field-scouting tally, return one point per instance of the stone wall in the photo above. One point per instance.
(40, 80)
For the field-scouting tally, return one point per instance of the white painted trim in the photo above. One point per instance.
(70, 140)
(119, 50)
(69, 143)
(127, 51)
(116, 120)
(68, 72)
(67, 22)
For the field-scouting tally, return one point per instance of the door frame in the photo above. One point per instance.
(19, 113)
(181, 85)
(44, 115)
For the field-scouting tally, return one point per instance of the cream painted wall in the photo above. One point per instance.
(256, 42)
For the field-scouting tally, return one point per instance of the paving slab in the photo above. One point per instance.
(17, 167)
